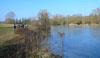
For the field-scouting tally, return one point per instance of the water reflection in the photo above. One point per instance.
(79, 41)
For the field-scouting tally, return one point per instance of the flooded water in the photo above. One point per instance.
(79, 41)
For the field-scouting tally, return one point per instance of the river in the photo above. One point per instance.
(79, 41)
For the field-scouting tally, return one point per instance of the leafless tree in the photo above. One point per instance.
(10, 17)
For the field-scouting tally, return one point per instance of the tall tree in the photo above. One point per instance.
(44, 17)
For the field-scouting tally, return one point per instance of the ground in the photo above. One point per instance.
(6, 33)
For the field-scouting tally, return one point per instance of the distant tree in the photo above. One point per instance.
(9, 21)
(84, 20)
(24, 21)
(17, 21)
(10, 17)
(43, 17)
(67, 19)
(58, 19)
(96, 14)
(33, 21)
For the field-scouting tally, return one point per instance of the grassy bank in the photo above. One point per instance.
(16, 45)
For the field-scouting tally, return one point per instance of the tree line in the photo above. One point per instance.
(58, 19)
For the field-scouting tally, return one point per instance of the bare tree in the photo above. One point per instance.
(43, 17)
(10, 17)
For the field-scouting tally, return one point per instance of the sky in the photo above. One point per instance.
(30, 8)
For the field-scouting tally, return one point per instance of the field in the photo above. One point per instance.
(6, 33)
(6, 25)
(8, 41)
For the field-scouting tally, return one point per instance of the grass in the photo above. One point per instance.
(6, 33)
(9, 42)
(6, 25)
(4, 30)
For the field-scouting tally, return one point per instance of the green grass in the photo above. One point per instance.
(6, 33)
(4, 30)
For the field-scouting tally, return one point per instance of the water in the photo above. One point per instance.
(79, 41)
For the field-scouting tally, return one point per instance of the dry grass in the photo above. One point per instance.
(6, 25)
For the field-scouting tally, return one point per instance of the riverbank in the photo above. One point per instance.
(22, 43)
